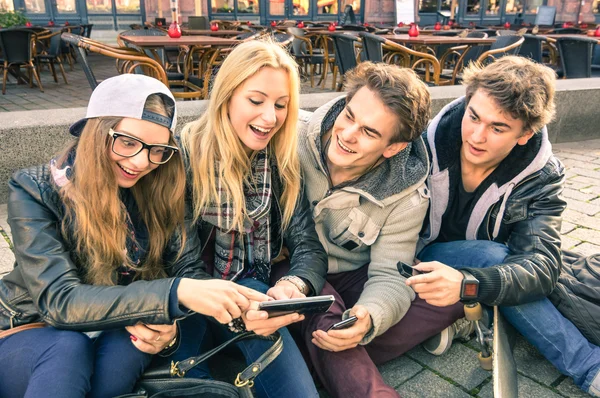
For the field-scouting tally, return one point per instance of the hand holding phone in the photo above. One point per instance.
(346, 323)
(303, 305)
(406, 270)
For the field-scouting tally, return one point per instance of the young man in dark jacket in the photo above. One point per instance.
(496, 212)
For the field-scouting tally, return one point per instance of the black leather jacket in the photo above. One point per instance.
(308, 259)
(529, 183)
(46, 283)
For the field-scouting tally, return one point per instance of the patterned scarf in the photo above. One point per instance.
(62, 174)
(247, 253)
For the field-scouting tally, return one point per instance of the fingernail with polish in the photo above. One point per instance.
(133, 338)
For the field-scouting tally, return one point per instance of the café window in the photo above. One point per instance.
(65, 6)
(248, 6)
(532, 6)
(596, 7)
(427, 5)
(7, 5)
(335, 7)
(446, 5)
(473, 7)
(222, 6)
(514, 6)
(35, 6)
(492, 7)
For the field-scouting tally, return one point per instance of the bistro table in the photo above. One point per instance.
(554, 36)
(162, 41)
(208, 32)
(430, 40)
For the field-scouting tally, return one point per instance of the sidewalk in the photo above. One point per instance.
(457, 374)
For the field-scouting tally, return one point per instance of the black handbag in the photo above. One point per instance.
(169, 381)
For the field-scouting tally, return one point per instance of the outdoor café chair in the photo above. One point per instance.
(575, 56)
(504, 45)
(306, 54)
(50, 54)
(372, 47)
(17, 50)
(345, 54)
(424, 64)
(532, 47)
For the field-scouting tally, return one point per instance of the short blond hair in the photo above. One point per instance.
(519, 86)
(400, 89)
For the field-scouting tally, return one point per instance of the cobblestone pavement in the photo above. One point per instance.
(457, 374)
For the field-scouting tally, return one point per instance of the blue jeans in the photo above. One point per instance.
(49, 362)
(556, 338)
(287, 376)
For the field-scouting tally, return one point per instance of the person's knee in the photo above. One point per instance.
(74, 344)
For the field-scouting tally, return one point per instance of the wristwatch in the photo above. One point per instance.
(469, 288)
(296, 281)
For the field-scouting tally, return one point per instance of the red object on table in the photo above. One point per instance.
(400, 24)
(583, 26)
(28, 24)
(175, 30)
(51, 23)
(365, 24)
(273, 24)
(437, 26)
(507, 25)
(331, 27)
(214, 27)
(159, 23)
(414, 30)
(66, 23)
(300, 24)
(597, 32)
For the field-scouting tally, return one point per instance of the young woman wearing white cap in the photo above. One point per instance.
(248, 201)
(100, 245)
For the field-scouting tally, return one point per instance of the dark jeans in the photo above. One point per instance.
(49, 362)
(287, 376)
(353, 372)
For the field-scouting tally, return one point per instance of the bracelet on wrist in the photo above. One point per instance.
(296, 281)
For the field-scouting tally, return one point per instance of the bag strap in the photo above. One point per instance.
(10, 332)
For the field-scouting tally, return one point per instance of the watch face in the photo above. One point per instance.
(470, 289)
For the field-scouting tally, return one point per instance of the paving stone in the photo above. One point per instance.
(586, 234)
(564, 155)
(532, 364)
(587, 249)
(578, 195)
(569, 243)
(3, 224)
(592, 189)
(586, 172)
(583, 207)
(577, 163)
(459, 364)
(581, 219)
(399, 370)
(427, 384)
(567, 227)
(582, 178)
(7, 260)
(527, 389)
(568, 388)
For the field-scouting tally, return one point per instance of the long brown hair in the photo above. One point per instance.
(211, 141)
(97, 217)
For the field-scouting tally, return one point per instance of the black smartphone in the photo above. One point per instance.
(305, 305)
(406, 270)
(346, 323)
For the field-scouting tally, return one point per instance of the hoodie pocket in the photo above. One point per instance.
(356, 232)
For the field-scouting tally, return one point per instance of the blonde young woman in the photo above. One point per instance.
(98, 238)
(248, 201)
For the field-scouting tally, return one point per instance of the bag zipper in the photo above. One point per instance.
(13, 314)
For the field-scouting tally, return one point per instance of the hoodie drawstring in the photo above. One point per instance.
(500, 214)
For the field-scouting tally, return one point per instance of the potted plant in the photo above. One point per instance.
(11, 18)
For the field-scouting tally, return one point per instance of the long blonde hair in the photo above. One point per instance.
(214, 148)
(96, 216)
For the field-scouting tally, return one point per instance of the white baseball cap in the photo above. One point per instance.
(125, 96)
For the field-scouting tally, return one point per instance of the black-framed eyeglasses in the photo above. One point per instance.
(128, 146)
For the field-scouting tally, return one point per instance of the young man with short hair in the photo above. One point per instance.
(364, 166)
(493, 230)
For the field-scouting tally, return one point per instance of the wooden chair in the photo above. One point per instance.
(426, 65)
(17, 47)
(130, 60)
(504, 45)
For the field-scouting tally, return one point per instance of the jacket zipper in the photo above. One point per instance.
(13, 314)
(531, 177)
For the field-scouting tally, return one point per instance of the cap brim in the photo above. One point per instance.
(77, 127)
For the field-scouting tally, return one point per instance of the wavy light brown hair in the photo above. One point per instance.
(522, 88)
(400, 89)
(96, 216)
(214, 148)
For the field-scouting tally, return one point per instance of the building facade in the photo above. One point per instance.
(119, 14)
